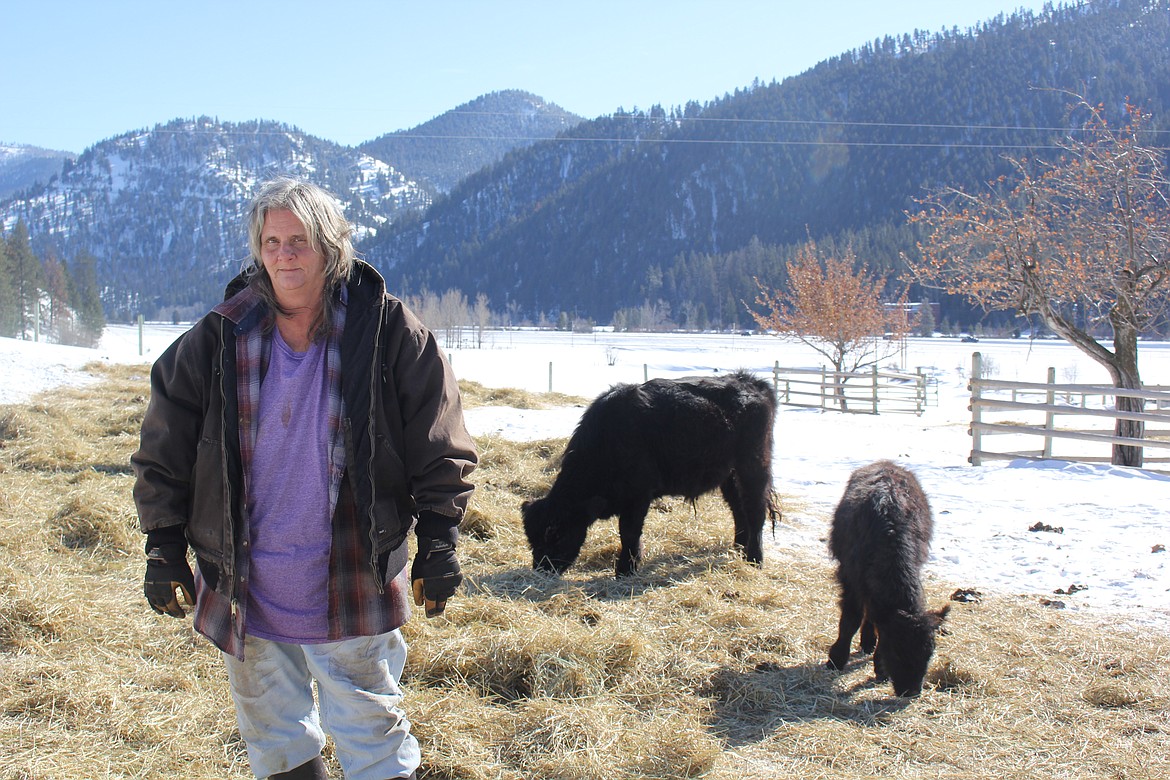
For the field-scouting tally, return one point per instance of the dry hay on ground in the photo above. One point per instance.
(475, 394)
(700, 666)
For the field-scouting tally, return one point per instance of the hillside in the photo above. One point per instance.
(686, 205)
(674, 211)
(162, 209)
(461, 141)
(22, 166)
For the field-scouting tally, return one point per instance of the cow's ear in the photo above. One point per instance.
(525, 504)
(937, 617)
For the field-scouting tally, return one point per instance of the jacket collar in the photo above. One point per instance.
(243, 309)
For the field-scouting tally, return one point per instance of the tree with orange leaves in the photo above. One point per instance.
(834, 305)
(1080, 241)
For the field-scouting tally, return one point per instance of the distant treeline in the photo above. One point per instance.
(48, 298)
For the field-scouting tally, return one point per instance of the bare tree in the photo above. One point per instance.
(483, 317)
(833, 305)
(55, 286)
(1080, 241)
(455, 315)
(426, 306)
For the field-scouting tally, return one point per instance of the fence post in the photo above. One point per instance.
(645, 372)
(823, 380)
(920, 392)
(776, 378)
(976, 409)
(550, 376)
(1050, 416)
(875, 389)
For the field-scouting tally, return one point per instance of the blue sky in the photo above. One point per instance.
(76, 73)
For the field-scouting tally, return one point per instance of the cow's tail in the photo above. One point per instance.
(773, 507)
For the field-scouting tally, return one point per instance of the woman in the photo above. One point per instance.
(293, 436)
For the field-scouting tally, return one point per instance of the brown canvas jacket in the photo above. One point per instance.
(407, 449)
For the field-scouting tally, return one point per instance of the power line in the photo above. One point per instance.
(742, 142)
(678, 141)
(679, 120)
(660, 122)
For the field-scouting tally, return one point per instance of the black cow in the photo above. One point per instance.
(636, 443)
(881, 539)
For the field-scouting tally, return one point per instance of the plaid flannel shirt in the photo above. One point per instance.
(358, 604)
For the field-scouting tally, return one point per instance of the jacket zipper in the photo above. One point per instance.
(375, 374)
(231, 548)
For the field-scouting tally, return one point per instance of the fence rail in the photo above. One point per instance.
(859, 392)
(990, 396)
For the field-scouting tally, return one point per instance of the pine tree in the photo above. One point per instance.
(926, 323)
(7, 295)
(86, 299)
(25, 275)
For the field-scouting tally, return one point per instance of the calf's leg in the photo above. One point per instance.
(630, 522)
(746, 496)
(868, 636)
(879, 666)
(852, 614)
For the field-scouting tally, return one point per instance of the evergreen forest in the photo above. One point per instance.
(680, 209)
(653, 217)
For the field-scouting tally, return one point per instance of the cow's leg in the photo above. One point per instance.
(631, 519)
(879, 667)
(868, 636)
(746, 493)
(852, 614)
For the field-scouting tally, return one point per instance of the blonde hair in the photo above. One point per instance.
(326, 227)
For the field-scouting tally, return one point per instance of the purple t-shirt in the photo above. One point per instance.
(288, 599)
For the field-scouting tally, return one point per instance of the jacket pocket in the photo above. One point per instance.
(393, 506)
(207, 521)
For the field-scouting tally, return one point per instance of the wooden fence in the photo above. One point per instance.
(860, 392)
(997, 397)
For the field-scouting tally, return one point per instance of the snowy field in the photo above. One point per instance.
(1114, 520)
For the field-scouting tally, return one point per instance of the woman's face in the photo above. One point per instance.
(296, 269)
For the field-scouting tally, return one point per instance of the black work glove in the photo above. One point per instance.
(167, 573)
(435, 575)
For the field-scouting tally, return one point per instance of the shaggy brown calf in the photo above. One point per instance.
(636, 443)
(881, 538)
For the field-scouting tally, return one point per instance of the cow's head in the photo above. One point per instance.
(906, 649)
(554, 533)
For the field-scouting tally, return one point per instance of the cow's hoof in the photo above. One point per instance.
(837, 661)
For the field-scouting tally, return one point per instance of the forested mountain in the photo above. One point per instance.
(162, 209)
(671, 211)
(468, 137)
(23, 166)
(686, 205)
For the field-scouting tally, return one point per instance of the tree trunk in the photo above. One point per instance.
(839, 380)
(1125, 375)
(1122, 365)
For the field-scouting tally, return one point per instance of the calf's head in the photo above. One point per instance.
(906, 646)
(555, 534)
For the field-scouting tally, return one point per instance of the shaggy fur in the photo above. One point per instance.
(881, 539)
(636, 443)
